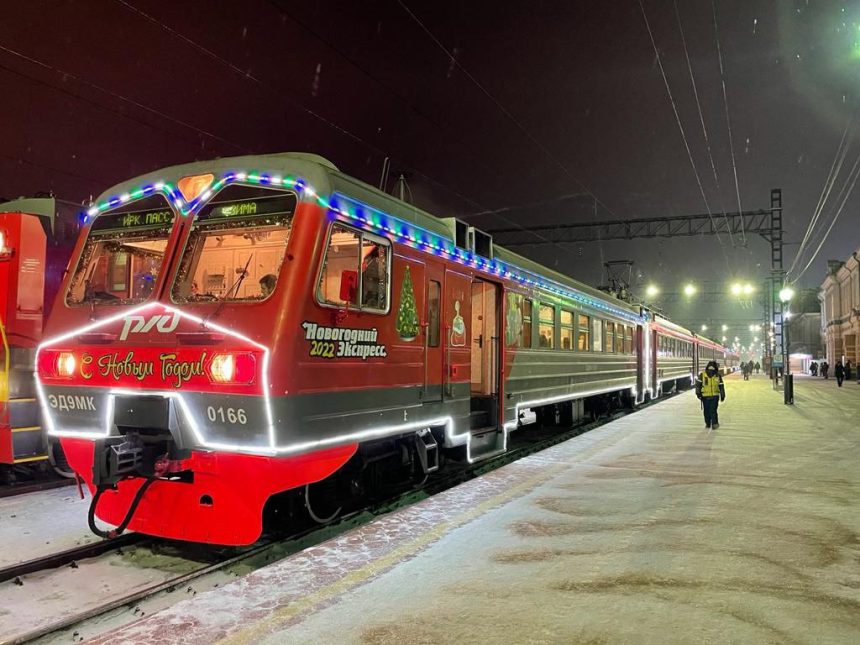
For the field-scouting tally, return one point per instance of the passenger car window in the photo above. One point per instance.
(609, 337)
(546, 328)
(434, 298)
(583, 333)
(566, 330)
(356, 270)
(526, 334)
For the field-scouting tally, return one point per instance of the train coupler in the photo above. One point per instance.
(428, 450)
(116, 458)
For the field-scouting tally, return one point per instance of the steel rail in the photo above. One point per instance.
(316, 534)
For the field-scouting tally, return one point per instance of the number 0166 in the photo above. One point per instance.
(227, 415)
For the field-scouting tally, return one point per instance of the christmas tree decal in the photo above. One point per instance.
(407, 316)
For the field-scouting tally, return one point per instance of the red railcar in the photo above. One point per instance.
(234, 329)
(35, 245)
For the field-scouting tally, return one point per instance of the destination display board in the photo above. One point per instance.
(134, 220)
(284, 204)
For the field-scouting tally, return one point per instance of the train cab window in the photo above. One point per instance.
(546, 326)
(597, 333)
(123, 255)
(567, 330)
(609, 337)
(236, 247)
(582, 333)
(526, 332)
(434, 300)
(356, 270)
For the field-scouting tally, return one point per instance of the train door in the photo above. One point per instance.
(639, 348)
(654, 349)
(485, 347)
(456, 359)
(434, 347)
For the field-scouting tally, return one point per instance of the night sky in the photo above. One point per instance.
(543, 101)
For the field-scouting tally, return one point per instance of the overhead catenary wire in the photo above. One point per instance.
(683, 134)
(504, 110)
(125, 99)
(830, 180)
(704, 127)
(251, 77)
(728, 118)
(845, 193)
(247, 75)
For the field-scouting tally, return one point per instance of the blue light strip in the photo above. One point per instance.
(424, 240)
(371, 219)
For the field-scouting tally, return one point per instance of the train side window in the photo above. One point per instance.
(628, 340)
(567, 330)
(434, 298)
(526, 332)
(546, 326)
(597, 329)
(609, 337)
(374, 272)
(619, 339)
(583, 334)
(356, 270)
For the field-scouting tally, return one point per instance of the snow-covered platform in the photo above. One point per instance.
(648, 530)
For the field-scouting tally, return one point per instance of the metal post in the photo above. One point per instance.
(777, 273)
(788, 377)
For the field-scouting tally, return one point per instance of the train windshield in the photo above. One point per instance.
(236, 247)
(123, 254)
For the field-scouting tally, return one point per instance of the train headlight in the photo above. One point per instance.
(57, 364)
(66, 364)
(233, 368)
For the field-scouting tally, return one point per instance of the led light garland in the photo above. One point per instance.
(368, 217)
(421, 239)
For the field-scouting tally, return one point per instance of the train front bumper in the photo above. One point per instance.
(221, 503)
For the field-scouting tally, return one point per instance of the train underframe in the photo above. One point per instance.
(145, 483)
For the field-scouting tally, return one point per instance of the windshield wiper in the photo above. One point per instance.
(233, 288)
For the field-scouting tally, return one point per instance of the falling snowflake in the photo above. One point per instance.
(315, 86)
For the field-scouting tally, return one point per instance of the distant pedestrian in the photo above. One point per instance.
(757, 367)
(745, 370)
(839, 372)
(847, 370)
(710, 391)
(813, 368)
(825, 368)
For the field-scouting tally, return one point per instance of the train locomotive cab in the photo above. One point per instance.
(226, 335)
(164, 360)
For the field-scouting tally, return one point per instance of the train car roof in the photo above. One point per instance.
(326, 178)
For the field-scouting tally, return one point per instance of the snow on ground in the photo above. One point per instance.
(648, 530)
(38, 524)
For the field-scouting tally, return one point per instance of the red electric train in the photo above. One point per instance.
(257, 329)
(36, 239)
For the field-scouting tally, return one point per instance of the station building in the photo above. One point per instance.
(840, 310)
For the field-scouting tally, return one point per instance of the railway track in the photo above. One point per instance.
(269, 551)
(69, 557)
(10, 490)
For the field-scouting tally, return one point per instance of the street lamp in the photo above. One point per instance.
(736, 289)
(689, 289)
(725, 327)
(704, 328)
(785, 296)
(651, 291)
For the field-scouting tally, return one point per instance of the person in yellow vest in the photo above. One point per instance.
(710, 391)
